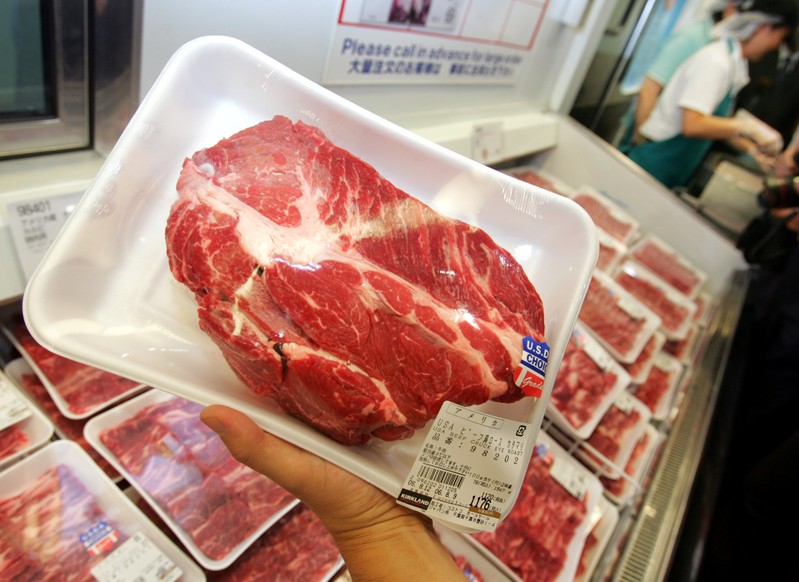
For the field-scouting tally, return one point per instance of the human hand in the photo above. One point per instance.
(793, 222)
(786, 163)
(378, 538)
(767, 140)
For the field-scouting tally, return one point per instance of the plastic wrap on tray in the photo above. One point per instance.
(77, 389)
(543, 537)
(657, 390)
(607, 215)
(611, 251)
(540, 178)
(63, 519)
(668, 264)
(297, 547)
(26, 379)
(639, 369)
(611, 444)
(621, 489)
(621, 323)
(25, 427)
(588, 381)
(676, 311)
(606, 518)
(215, 505)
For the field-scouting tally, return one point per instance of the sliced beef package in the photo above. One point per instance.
(622, 489)
(77, 389)
(639, 369)
(621, 323)
(588, 381)
(613, 440)
(658, 388)
(355, 306)
(608, 215)
(669, 265)
(676, 311)
(67, 428)
(216, 505)
(611, 252)
(542, 538)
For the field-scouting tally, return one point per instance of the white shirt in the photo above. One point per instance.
(699, 84)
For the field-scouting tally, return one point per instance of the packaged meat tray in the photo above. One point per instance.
(619, 321)
(215, 505)
(540, 178)
(657, 391)
(21, 373)
(608, 215)
(611, 445)
(605, 519)
(639, 369)
(611, 252)
(64, 519)
(544, 535)
(668, 264)
(23, 427)
(77, 390)
(684, 349)
(622, 489)
(588, 381)
(104, 293)
(704, 308)
(297, 547)
(676, 311)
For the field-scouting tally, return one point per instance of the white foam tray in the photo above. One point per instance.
(103, 293)
(37, 427)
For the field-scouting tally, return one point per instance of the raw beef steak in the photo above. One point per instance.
(358, 308)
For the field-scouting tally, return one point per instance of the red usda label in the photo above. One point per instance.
(530, 373)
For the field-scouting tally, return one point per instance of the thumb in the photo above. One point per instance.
(265, 453)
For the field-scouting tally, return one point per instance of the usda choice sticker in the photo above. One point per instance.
(470, 468)
(529, 375)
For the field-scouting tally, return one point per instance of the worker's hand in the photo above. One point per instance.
(793, 223)
(767, 139)
(786, 163)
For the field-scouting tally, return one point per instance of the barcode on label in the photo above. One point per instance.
(441, 476)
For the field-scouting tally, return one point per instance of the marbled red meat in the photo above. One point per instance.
(12, 440)
(316, 276)
(604, 218)
(668, 267)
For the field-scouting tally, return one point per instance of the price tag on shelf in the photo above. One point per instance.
(487, 142)
(34, 225)
(137, 560)
(470, 468)
(12, 408)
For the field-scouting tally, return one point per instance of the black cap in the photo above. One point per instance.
(786, 10)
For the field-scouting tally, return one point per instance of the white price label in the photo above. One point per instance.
(34, 225)
(137, 560)
(12, 408)
(469, 470)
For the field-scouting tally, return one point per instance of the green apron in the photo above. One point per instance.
(673, 161)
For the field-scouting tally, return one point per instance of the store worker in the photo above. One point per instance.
(694, 107)
(678, 47)
(378, 539)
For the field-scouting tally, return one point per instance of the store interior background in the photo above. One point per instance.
(552, 117)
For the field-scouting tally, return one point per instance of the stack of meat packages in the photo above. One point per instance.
(636, 335)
